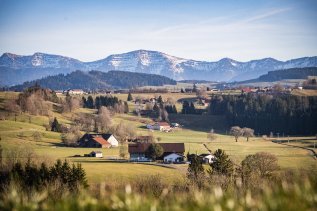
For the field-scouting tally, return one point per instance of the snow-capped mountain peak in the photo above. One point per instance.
(154, 62)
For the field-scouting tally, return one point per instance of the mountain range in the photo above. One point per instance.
(16, 69)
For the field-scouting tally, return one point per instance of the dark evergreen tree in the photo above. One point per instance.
(194, 88)
(56, 127)
(160, 100)
(221, 163)
(90, 102)
(84, 102)
(195, 171)
(185, 109)
(130, 98)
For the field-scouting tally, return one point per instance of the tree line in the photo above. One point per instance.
(32, 177)
(283, 114)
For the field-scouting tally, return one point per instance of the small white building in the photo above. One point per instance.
(173, 158)
(207, 158)
(75, 92)
(97, 154)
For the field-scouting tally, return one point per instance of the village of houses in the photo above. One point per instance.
(173, 153)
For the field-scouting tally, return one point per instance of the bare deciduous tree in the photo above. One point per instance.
(201, 93)
(211, 135)
(248, 132)
(261, 164)
(236, 131)
(103, 120)
(124, 132)
(71, 137)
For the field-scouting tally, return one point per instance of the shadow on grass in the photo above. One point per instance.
(89, 160)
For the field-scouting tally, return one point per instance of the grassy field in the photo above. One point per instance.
(19, 135)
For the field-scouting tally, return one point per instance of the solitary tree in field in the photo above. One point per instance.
(211, 135)
(194, 88)
(155, 150)
(236, 131)
(261, 164)
(221, 163)
(56, 127)
(130, 98)
(248, 132)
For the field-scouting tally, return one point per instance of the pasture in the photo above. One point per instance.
(16, 133)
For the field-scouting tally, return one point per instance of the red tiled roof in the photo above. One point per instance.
(101, 140)
(163, 124)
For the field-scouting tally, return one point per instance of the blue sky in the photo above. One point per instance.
(195, 29)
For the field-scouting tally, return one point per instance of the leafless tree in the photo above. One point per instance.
(236, 131)
(261, 164)
(71, 137)
(123, 151)
(248, 132)
(37, 136)
(103, 120)
(211, 135)
(12, 106)
(163, 115)
(201, 93)
(124, 132)
(148, 106)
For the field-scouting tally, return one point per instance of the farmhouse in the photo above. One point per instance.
(139, 150)
(161, 126)
(98, 140)
(174, 158)
(75, 92)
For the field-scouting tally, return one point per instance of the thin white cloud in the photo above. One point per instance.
(270, 13)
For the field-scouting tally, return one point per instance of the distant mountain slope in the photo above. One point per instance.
(278, 75)
(98, 80)
(143, 61)
(293, 73)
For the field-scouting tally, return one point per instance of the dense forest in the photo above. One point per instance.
(283, 114)
(293, 73)
(98, 80)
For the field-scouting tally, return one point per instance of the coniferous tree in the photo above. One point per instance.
(221, 164)
(130, 98)
(56, 127)
(195, 171)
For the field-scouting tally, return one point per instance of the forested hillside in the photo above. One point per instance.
(293, 73)
(98, 80)
(284, 114)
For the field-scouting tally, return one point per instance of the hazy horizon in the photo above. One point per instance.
(199, 30)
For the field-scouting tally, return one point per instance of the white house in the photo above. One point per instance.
(161, 126)
(173, 158)
(75, 91)
(96, 154)
(207, 158)
(111, 140)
